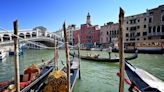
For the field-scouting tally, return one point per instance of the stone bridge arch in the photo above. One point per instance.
(21, 35)
(34, 34)
(28, 35)
(6, 37)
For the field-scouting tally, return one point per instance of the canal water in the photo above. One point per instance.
(95, 76)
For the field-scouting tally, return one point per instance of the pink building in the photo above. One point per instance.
(89, 34)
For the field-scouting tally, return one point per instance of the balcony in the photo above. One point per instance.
(156, 34)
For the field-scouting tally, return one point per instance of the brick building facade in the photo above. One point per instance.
(89, 34)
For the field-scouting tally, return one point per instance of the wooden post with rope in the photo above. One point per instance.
(67, 57)
(16, 58)
(79, 55)
(121, 50)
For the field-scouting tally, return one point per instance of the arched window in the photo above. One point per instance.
(162, 17)
(158, 29)
(107, 33)
(6, 37)
(154, 29)
(21, 35)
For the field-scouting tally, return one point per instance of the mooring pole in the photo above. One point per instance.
(56, 67)
(16, 50)
(121, 50)
(67, 57)
(79, 55)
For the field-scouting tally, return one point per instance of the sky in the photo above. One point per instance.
(52, 13)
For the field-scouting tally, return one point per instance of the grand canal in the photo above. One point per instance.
(96, 76)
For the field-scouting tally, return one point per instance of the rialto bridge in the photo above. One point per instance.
(42, 37)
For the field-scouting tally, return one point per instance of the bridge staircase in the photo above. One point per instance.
(35, 45)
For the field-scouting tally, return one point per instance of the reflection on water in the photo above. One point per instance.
(95, 77)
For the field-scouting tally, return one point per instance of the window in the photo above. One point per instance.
(149, 38)
(162, 37)
(150, 20)
(127, 28)
(138, 39)
(115, 32)
(138, 27)
(144, 33)
(149, 29)
(126, 39)
(131, 34)
(132, 39)
(138, 34)
(127, 35)
(88, 31)
(162, 28)
(154, 29)
(132, 28)
(144, 38)
(144, 19)
(158, 29)
(151, 13)
(162, 17)
(127, 22)
(144, 26)
(133, 21)
(107, 33)
(138, 20)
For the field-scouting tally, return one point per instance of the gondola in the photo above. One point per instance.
(30, 83)
(74, 72)
(143, 80)
(62, 80)
(105, 59)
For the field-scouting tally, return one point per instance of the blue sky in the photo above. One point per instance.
(52, 13)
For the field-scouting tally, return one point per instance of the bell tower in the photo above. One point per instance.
(88, 19)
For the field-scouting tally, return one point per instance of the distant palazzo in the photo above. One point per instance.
(109, 34)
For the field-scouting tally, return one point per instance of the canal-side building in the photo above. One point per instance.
(109, 34)
(75, 36)
(89, 34)
(156, 23)
(136, 27)
(70, 30)
(60, 34)
(145, 30)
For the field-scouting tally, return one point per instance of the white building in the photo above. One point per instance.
(70, 30)
(60, 34)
